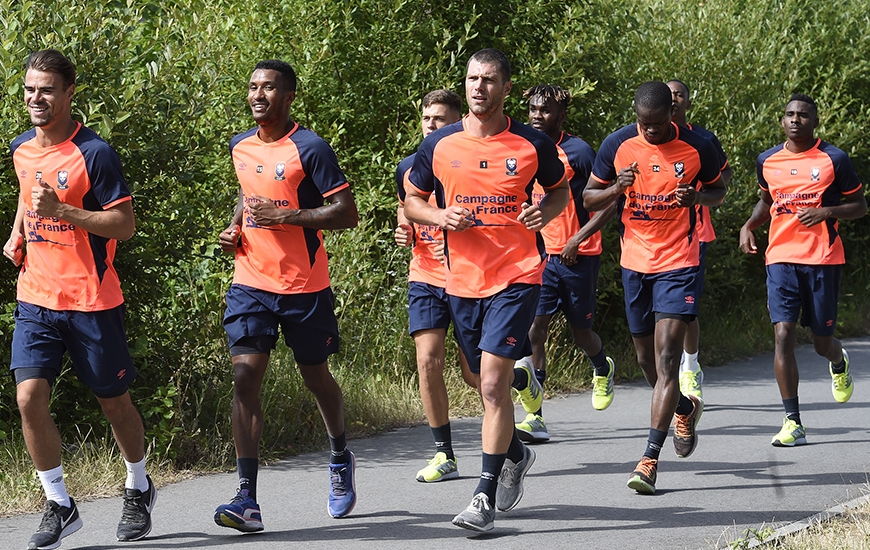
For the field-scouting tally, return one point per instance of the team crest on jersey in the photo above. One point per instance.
(794, 171)
(657, 168)
(62, 179)
(815, 172)
(511, 166)
(679, 169)
(259, 168)
(279, 171)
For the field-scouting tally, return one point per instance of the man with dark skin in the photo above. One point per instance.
(807, 185)
(291, 189)
(657, 175)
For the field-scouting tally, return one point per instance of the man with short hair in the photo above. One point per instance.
(482, 171)
(807, 186)
(73, 208)
(291, 189)
(428, 311)
(691, 375)
(573, 244)
(664, 172)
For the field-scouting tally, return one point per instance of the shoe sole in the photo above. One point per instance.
(445, 477)
(471, 527)
(796, 442)
(67, 531)
(532, 437)
(641, 486)
(222, 519)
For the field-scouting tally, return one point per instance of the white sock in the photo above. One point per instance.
(136, 475)
(54, 485)
(689, 362)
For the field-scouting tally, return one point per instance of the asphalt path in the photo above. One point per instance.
(575, 494)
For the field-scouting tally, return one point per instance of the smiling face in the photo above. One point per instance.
(799, 121)
(47, 98)
(269, 99)
(485, 89)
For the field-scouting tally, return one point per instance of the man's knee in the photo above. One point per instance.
(33, 395)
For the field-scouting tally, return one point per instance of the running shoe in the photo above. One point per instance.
(532, 396)
(790, 435)
(479, 516)
(841, 383)
(242, 513)
(643, 478)
(136, 514)
(691, 382)
(533, 429)
(510, 480)
(342, 488)
(602, 388)
(685, 437)
(57, 522)
(440, 468)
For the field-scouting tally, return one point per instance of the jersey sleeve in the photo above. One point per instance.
(321, 164)
(422, 176)
(551, 171)
(710, 167)
(846, 177)
(603, 169)
(402, 173)
(104, 170)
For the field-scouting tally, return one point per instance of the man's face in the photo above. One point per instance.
(655, 124)
(46, 98)
(269, 101)
(546, 116)
(485, 90)
(681, 101)
(437, 116)
(799, 121)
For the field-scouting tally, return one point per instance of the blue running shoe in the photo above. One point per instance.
(342, 488)
(242, 513)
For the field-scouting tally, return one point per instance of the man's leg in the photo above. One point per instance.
(838, 365)
(787, 377)
(533, 429)
(602, 366)
(691, 375)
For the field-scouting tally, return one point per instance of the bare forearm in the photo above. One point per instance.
(117, 222)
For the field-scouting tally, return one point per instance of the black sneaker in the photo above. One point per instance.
(136, 515)
(57, 522)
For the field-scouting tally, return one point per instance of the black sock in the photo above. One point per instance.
(792, 409)
(443, 440)
(490, 469)
(521, 379)
(248, 468)
(516, 451)
(685, 406)
(541, 375)
(654, 443)
(337, 449)
(599, 363)
(840, 367)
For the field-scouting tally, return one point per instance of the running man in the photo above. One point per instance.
(291, 189)
(657, 172)
(691, 375)
(481, 171)
(428, 312)
(73, 208)
(807, 185)
(573, 244)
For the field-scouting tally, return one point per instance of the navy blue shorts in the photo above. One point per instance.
(805, 292)
(653, 296)
(702, 266)
(95, 340)
(498, 324)
(570, 289)
(427, 307)
(306, 320)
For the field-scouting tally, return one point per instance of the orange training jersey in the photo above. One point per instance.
(295, 172)
(815, 178)
(577, 156)
(66, 268)
(424, 266)
(492, 177)
(705, 231)
(657, 235)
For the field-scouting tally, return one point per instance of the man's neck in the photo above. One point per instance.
(269, 133)
(57, 133)
(800, 146)
(488, 126)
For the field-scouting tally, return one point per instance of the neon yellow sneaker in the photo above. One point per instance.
(790, 435)
(841, 383)
(690, 383)
(532, 396)
(602, 388)
(440, 468)
(533, 429)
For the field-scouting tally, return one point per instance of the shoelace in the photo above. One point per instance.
(647, 466)
(841, 380)
(682, 425)
(50, 519)
(506, 477)
(600, 385)
(336, 478)
(480, 502)
(132, 510)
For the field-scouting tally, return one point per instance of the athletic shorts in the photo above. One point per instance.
(95, 340)
(498, 324)
(306, 320)
(805, 292)
(702, 266)
(650, 297)
(427, 307)
(570, 289)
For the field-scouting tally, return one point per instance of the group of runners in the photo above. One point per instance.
(504, 219)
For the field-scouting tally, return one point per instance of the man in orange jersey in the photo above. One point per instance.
(573, 244)
(291, 188)
(657, 173)
(428, 312)
(482, 171)
(691, 375)
(73, 207)
(807, 185)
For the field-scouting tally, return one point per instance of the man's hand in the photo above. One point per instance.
(747, 241)
(455, 218)
(531, 217)
(45, 200)
(229, 238)
(438, 250)
(812, 216)
(404, 234)
(14, 249)
(569, 253)
(686, 194)
(264, 212)
(625, 177)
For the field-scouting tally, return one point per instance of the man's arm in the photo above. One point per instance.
(598, 196)
(117, 222)
(418, 210)
(554, 201)
(853, 207)
(229, 237)
(711, 194)
(339, 212)
(14, 248)
(760, 216)
(404, 234)
(595, 223)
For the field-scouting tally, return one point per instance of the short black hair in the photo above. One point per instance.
(288, 75)
(495, 57)
(548, 91)
(806, 99)
(681, 83)
(443, 97)
(52, 61)
(654, 95)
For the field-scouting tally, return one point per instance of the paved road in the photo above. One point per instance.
(575, 493)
